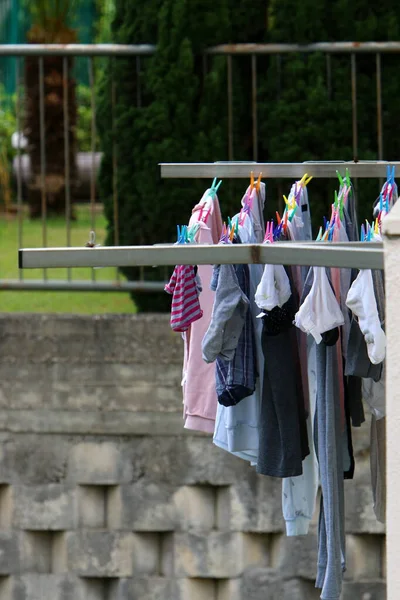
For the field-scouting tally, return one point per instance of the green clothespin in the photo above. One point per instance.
(292, 213)
(336, 203)
(319, 236)
(341, 180)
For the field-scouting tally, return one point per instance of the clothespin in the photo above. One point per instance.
(251, 180)
(232, 232)
(285, 221)
(362, 233)
(258, 184)
(224, 234)
(302, 181)
(205, 218)
(192, 231)
(214, 188)
(319, 236)
(293, 212)
(278, 218)
(336, 203)
(341, 180)
(278, 231)
(376, 228)
(308, 180)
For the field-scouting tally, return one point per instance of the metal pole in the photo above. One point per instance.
(329, 76)
(76, 50)
(346, 255)
(19, 162)
(230, 108)
(93, 151)
(114, 163)
(354, 105)
(42, 155)
(254, 104)
(66, 156)
(241, 170)
(379, 106)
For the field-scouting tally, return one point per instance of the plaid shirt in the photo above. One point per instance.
(236, 379)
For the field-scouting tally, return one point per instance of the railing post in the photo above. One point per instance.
(392, 288)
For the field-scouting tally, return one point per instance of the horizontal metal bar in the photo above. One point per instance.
(241, 170)
(59, 285)
(227, 49)
(327, 47)
(285, 253)
(76, 49)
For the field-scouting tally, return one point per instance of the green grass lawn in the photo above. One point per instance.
(69, 302)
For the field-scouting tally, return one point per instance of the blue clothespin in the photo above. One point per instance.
(362, 233)
(380, 202)
(325, 222)
(214, 187)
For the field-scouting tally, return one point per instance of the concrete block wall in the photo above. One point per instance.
(103, 496)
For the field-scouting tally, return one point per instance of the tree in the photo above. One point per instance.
(305, 115)
(50, 26)
(183, 116)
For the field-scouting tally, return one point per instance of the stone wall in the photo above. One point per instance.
(103, 496)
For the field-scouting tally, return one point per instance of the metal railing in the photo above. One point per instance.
(95, 280)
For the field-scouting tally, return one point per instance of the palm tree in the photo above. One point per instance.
(50, 25)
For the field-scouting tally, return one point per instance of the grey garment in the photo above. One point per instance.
(328, 441)
(355, 404)
(331, 445)
(378, 467)
(283, 427)
(358, 362)
(379, 289)
(227, 320)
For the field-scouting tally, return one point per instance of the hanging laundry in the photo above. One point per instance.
(185, 308)
(198, 378)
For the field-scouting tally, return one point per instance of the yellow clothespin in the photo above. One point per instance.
(308, 180)
(376, 228)
(286, 200)
(232, 232)
(251, 180)
(258, 184)
(303, 179)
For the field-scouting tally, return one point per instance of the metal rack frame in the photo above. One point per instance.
(343, 255)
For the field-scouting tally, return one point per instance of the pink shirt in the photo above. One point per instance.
(199, 394)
